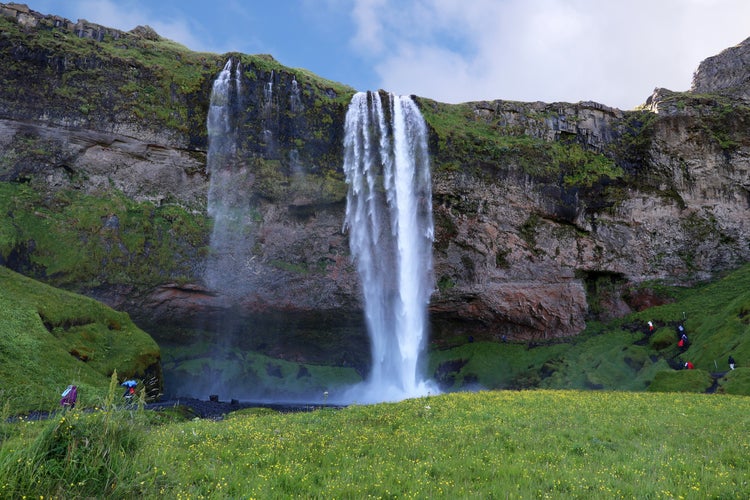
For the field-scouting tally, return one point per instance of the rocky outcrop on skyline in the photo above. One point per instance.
(547, 214)
(725, 73)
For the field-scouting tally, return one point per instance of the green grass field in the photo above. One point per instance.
(492, 444)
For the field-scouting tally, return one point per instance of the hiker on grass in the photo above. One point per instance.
(683, 342)
(689, 365)
(69, 397)
(731, 362)
(129, 390)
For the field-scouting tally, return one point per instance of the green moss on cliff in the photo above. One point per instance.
(83, 241)
(462, 140)
(581, 167)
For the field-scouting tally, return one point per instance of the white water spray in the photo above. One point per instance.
(389, 218)
(228, 203)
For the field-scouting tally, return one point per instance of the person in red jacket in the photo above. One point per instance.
(689, 365)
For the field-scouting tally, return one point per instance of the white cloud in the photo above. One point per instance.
(369, 35)
(551, 50)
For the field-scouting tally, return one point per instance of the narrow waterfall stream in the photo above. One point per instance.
(228, 202)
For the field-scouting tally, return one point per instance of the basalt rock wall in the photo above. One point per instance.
(546, 214)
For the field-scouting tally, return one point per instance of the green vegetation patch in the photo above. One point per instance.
(50, 338)
(82, 241)
(735, 382)
(490, 365)
(582, 167)
(681, 381)
(715, 316)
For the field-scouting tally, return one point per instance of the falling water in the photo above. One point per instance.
(295, 101)
(228, 203)
(268, 118)
(268, 90)
(389, 218)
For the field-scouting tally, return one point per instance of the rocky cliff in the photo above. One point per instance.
(546, 214)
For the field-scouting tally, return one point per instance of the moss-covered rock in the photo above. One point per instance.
(735, 382)
(681, 381)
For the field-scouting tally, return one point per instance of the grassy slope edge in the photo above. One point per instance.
(50, 338)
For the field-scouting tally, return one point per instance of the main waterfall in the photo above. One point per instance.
(389, 219)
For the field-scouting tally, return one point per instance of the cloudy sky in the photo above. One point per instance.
(611, 51)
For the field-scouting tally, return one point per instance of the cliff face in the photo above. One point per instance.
(546, 214)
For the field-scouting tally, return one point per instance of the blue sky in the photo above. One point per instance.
(611, 51)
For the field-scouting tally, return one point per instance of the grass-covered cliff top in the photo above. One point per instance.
(466, 138)
(123, 77)
(50, 338)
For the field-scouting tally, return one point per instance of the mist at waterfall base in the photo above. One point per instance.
(389, 221)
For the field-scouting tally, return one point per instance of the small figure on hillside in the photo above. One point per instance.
(680, 330)
(650, 326)
(683, 342)
(689, 365)
(69, 397)
(731, 362)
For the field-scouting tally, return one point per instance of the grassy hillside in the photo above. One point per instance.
(623, 355)
(503, 444)
(50, 338)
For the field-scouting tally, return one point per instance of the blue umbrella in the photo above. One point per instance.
(129, 383)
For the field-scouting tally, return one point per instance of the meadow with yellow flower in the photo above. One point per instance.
(489, 444)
